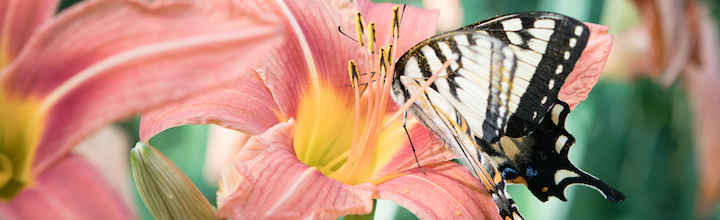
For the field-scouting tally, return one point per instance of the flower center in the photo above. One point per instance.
(19, 134)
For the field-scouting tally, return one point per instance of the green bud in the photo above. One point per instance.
(166, 191)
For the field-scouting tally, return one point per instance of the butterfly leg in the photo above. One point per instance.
(410, 139)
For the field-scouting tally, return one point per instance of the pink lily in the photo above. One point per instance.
(64, 77)
(303, 160)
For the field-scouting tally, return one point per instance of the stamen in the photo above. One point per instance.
(396, 21)
(352, 68)
(421, 91)
(382, 66)
(353, 72)
(359, 28)
(389, 55)
(371, 38)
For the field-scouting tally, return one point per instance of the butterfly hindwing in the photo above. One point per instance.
(547, 46)
(541, 160)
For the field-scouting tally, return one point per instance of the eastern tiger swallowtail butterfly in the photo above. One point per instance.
(496, 105)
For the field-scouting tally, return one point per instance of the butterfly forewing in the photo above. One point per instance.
(478, 84)
(469, 100)
(547, 46)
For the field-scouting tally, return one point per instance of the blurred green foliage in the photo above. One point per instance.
(635, 136)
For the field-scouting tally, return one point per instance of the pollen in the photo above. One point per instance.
(407, 191)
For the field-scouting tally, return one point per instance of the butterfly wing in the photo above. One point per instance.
(540, 160)
(471, 99)
(478, 84)
(547, 46)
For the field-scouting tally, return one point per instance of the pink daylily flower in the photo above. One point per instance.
(64, 77)
(303, 160)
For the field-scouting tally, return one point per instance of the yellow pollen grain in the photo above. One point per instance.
(458, 213)
(407, 191)
(412, 181)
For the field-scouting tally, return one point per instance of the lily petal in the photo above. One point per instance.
(424, 23)
(428, 147)
(246, 105)
(315, 51)
(448, 191)
(18, 20)
(588, 68)
(272, 183)
(71, 189)
(134, 55)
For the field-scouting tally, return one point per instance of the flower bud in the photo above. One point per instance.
(166, 191)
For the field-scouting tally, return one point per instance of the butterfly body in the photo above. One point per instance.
(496, 105)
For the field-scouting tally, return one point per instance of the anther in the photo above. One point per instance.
(371, 38)
(353, 72)
(359, 28)
(396, 21)
(381, 61)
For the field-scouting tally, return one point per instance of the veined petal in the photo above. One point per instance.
(134, 55)
(428, 147)
(419, 24)
(272, 183)
(245, 105)
(315, 52)
(71, 189)
(18, 20)
(448, 191)
(588, 68)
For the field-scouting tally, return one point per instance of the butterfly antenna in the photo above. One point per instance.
(401, 18)
(411, 144)
(348, 36)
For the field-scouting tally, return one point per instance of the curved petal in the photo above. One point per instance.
(429, 150)
(314, 53)
(420, 23)
(318, 54)
(246, 105)
(18, 20)
(272, 183)
(448, 191)
(134, 55)
(71, 189)
(578, 84)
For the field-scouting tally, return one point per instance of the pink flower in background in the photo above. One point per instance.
(99, 61)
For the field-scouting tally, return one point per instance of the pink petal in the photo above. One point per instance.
(222, 146)
(287, 72)
(133, 55)
(71, 189)
(107, 151)
(703, 84)
(589, 67)
(448, 191)
(429, 150)
(418, 24)
(18, 20)
(246, 105)
(273, 183)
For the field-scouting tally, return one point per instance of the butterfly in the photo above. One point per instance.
(496, 105)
